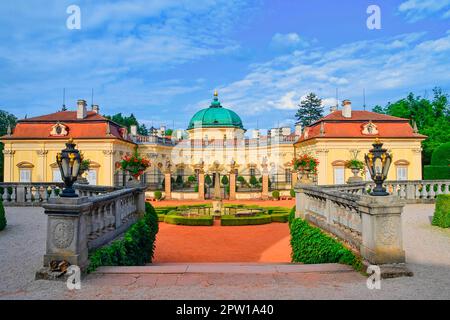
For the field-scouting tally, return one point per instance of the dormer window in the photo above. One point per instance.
(59, 130)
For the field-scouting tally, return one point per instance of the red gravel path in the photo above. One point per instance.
(264, 243)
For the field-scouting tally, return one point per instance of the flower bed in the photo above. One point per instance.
(189, 221)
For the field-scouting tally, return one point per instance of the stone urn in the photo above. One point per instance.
(81, 179)
(133, 182)
(305, 176)
(356, 178)
(217, 206)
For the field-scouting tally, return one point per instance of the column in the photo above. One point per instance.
(108, 169)
(217, 193)
(294, 178)
(232, 185)
(41, 167)
(322, 175)
(382, 229)
(265, 186)
(167, 185)
(8, 165)
(201, 185)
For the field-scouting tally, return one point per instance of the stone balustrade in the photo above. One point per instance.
(371, 225)
(77, 225)
(20, 194)
(412, 191)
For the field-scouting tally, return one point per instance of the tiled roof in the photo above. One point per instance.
(335, 125)
(94, 126)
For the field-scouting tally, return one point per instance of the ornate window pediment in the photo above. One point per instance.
(369, 128)
(25, 165)
(59, 130)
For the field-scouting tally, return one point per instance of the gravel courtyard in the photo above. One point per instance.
(22, 245)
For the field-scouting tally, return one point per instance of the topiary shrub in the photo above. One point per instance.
(253, 181)
(208, 180)
(137, 246)
(441, 216)
(440, 164)
(158, 195)
(276, 194)
(225, 180)
(311, 246)
(2, 217)
(292, 193)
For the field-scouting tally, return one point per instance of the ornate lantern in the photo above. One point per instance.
(69, 163)
(378, 162)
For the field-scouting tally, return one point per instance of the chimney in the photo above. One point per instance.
(96, 108)
(133, 130)
(347, 109)
(255, 134)
(81, 110)
(298, 129)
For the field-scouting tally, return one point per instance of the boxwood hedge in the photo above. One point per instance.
(192, 221)
(310, 246)
(441, 216)
(135, 248)
(2, 217)
(228, 220)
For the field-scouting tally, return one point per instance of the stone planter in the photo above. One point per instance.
(133, 182)
(355, 178)
(305, 176)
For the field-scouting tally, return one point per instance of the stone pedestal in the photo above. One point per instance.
(167, 185)
(382, 229)
(217, 193)
(294, 178)
(355, 178)
(66, 230)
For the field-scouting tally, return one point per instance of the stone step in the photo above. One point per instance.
(237, 268)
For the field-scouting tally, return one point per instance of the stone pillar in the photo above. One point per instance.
(168, 185)
(140, 201)
(265, 186)
(201, 185)
(294, 178)
(232, 185)
(217, 193)
(300, 202)
(8, 165)
(41, 166)
(67, 230)
(382, 229)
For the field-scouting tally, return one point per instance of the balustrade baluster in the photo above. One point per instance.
(29, 194)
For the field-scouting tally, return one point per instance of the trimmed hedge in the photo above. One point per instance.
(135, 248)
(441, 216)
(228, 220)
(310, 246)
(2, 217)
(185, 221)
(276, 194)
(436, 172)
(280, 217)
(158, 195)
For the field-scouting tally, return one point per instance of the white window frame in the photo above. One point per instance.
(96, 176)
(338, 168)
(57, 175)
(399, 169)
(29, 173)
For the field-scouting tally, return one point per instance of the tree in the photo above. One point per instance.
(431, 117)
(225, 180)
(6, 120)
(309, 110)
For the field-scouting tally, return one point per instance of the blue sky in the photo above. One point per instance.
(162, 59)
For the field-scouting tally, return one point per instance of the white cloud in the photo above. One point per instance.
(419, 9)
(291, 40)
(376, 65)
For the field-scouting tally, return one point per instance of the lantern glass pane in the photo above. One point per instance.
(76, 168)
(65, 167)
(387, 164)
(378, 166)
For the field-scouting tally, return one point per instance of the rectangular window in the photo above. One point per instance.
(92, 177)
(339, 175)
(25, 175)
(402, 173)
(57, 175)
(367, 176)
(288, 175)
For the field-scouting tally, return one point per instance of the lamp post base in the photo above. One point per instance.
(69, 193)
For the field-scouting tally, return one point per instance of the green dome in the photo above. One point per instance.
(215, 116)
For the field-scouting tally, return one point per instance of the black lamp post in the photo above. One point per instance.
(378, 161)
(69, 163)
